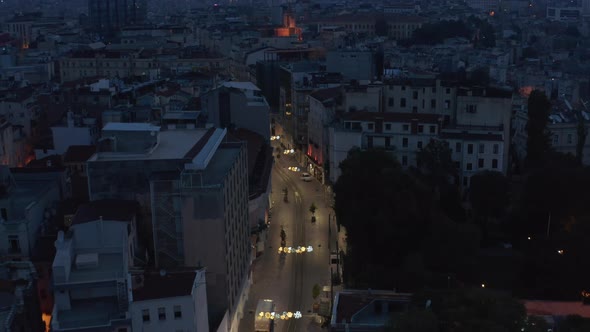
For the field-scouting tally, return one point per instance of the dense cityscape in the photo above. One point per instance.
(294, 165)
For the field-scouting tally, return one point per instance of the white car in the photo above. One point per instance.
(306, 177)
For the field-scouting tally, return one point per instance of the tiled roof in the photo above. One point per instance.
(157, 285)
(108, 209)
(79, 153)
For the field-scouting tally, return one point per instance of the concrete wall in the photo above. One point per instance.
(64, 137)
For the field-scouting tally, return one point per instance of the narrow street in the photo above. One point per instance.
(288, 279)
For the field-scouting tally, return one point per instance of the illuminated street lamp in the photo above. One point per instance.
(483, 285)
(560, 251)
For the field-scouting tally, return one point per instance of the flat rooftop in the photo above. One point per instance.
(173, 144)
(110, 267)
(92, 312)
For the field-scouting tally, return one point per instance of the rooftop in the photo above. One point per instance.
(172, 144)
(107, 209)
(134, 126)
(350, 303)
(93, 312)
(241, 85)
(110, 267)
(158, 285)
(79, 153)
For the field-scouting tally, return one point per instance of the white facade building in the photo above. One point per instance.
(173, 301)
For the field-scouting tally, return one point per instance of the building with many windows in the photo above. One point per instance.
(193, 185)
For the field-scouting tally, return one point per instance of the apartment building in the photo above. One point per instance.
(401, 133)
(26, 196)
(147, 63)
(170, 300)
(398, 26)
(238, 105)
(193, 184)
(91, 283)
(19, 302)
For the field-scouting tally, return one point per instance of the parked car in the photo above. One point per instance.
(306, 177)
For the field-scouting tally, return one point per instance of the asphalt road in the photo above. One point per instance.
(289, 279)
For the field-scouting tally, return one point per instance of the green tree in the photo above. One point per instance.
(474, 309)
(385, 211)
(538, 141)
(582, 133)
(434, 160)
(315, 291)
(414, 320)
(488, 193)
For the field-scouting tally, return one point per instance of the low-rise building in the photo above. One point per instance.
(170, 300)
(366, 310)
(19, 302)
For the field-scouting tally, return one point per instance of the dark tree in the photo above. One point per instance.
(582, 133)
(434, 160)
(475, 309)
(384, 210)
(488, 194)
(538, 141)
(414, 320)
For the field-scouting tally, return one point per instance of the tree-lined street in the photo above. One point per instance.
(288, 279)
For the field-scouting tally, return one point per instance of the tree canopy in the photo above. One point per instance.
(538, 141)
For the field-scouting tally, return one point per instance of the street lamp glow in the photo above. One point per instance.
(483, 285)
(309, 249)
(560, 251)
(297, 315)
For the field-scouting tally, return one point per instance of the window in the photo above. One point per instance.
(419, 144)
(145, 313)
(465, 181)
(482, 148)
(387, 141)
(406, 127)
(448, 91)
(458, 147)
(177, 312)
(433, 129)
(433, 90)
(433, 103)
(480, 163)
(390, 102)
(370, 126)
(496, 148)
(570, 139)
(162, 313)
(457, 164)
(415, 95)
(420, 128)
(471, 109)
(403, 88)
(469, 167)
(13, 244)
(470, 148)
(414, 109)
(555, 139)
(495, 163)
(370, 142)
(447, 104)
(405, 142)
(404, 160)
(388, 126)
(402, 102)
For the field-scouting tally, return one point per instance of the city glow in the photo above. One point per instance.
(283, 316)
(292, 250)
